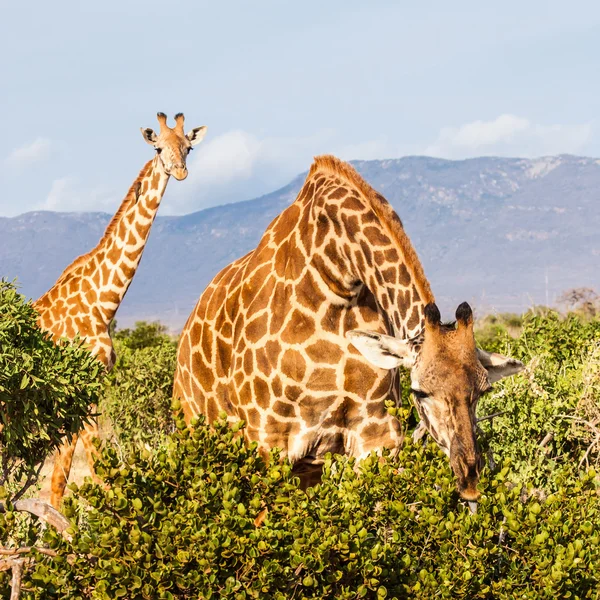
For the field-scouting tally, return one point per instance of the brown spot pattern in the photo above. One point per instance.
(336, 259)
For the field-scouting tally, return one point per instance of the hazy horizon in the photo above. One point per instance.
(293, 177)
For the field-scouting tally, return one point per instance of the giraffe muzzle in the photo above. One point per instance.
(469, 493)
(180, 173)
(467, 477)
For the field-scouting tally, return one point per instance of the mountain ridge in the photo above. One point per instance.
(502, 233)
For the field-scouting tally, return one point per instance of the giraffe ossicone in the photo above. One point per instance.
(279, 338)
(86, 296)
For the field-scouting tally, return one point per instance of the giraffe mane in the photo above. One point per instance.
(132, 194)
(384, 211)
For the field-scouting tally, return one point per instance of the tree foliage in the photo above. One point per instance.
(180, 523)
(46, 390)
(197, 513)
(583, 300)
(137, 393)
(143, 335)
(547, 414)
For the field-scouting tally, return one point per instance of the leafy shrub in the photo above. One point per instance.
(492, 330)
(180, 520)
(180, 523)
(137, 393)
(143, 335)
(588, 409)
(542, 422)
(46, 391)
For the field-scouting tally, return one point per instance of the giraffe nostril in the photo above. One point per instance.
(180, 173)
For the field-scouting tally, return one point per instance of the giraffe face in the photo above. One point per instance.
(448, 376)
(172, 145)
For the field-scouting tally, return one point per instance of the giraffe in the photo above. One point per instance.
(86, 296)
(280, 337)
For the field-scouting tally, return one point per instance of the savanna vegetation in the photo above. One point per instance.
(46, 392)
(194, 513)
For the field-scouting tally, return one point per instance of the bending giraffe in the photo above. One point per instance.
(276, 339)
(85, 298)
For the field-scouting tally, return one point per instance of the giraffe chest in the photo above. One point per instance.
(300, 386)
(275, 355)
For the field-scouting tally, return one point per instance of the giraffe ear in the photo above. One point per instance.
(149, 135)
(498, 366)
(195, 136)
(384, 351)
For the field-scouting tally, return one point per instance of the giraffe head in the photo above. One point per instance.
(173, 145)
(448, 376)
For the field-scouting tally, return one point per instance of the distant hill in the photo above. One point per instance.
(501, 233)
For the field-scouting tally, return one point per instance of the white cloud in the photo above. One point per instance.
(228, 157)
(33, 152)
(231, 167)
(67, 194)
(509, 135)
(61, 189)
(238, 166)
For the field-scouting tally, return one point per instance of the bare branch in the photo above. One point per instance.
(487, 417)
(44, 512)
(6, 564)
(590, 447)
(25, 550)
(15, 584)
(31, 479)
(590, 424)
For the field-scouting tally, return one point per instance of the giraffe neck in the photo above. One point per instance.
(87, 295)
(360, 241)
(380, 262)
(119, 252)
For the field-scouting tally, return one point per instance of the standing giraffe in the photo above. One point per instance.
(85, 298)
(276, 336)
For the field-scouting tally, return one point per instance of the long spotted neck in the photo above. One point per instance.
(86, 296)
(119, 252)
(367, 245)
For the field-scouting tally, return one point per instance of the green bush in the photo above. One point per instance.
(46, 391)
(143, 335)
(492, 330)
(547, 414)
(137, 393)
(180, 523)
(176, 518)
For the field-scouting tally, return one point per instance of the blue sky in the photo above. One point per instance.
(278, 82)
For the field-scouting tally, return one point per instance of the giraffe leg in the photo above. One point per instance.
(89, 433)
(60, 473)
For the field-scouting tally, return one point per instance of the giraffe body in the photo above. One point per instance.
(266, 342)
(86, 296)
(276, 339)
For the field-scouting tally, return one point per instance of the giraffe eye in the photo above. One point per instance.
(419, 394)
(158, 150)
